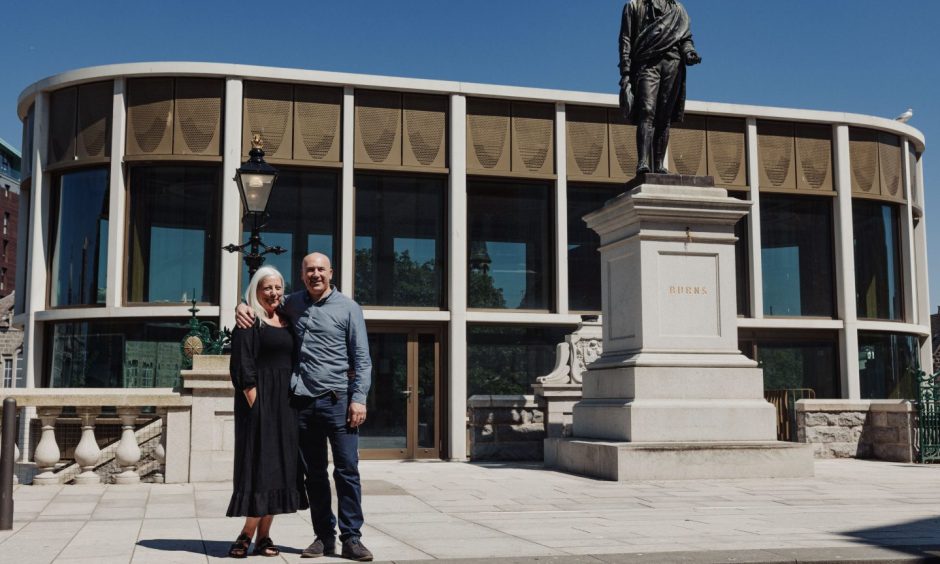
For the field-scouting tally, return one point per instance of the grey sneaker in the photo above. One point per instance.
(353, 549)
(319, 548)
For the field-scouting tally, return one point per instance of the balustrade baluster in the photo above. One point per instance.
(128, 451)
(159, 452)
(87, 452)
(47, 451)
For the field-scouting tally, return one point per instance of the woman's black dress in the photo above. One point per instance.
(266, 477)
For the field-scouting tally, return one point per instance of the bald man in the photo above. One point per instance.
(329, 385)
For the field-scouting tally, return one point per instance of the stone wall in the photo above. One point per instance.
(879, 429)
(505, 428)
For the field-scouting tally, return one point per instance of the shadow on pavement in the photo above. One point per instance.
(918, 538)
(198, 546)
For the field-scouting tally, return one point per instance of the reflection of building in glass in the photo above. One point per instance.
(452, 212)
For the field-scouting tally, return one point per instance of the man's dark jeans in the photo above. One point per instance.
(320, 420)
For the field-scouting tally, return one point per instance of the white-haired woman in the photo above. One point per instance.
(265, 477)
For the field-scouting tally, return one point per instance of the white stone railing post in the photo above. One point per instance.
(159, 453)
(87, 452)
(47, 451)
(128, 451)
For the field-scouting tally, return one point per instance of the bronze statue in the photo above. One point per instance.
(655, 47)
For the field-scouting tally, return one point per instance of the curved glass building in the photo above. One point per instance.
(452, 213)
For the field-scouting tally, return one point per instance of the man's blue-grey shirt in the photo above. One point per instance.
(331, 338)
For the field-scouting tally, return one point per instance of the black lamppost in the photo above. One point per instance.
(255, 180)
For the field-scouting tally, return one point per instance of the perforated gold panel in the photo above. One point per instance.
(268, 112)
(776, 159)
(586, 129)
(378, 128)
(62, 109)
(863, 154)
(425, 126)
(317, 114)
(533, 138)
(149, 116)
(814, 157)
(726, 151)
(889, 155)
(488, 135)
(197, 129)
(687, 147)
(622, 141)
(93, 139)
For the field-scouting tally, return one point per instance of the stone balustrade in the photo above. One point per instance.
(88, 404)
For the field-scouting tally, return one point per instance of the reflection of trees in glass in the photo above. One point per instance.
(482, 292)
(413, 283)
(507, 360)
(783, 368)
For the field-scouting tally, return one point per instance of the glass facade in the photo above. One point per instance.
(742, 262)
(400, 240)
(886, 362)
(584, 261)
(796, 256)
(877, 260)
(303, 219)
(80, 249)
(174, 215)
(798, 361)
(115, 354)
(510, 245)
(506, 359)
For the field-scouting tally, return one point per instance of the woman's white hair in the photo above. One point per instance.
(251, 294)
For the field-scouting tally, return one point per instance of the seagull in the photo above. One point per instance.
(903, 118)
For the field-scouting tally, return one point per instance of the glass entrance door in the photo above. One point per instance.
(403, 406)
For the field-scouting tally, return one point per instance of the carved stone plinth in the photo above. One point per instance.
(671, 388)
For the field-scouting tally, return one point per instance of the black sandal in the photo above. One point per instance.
(239, 548)
(265, 547)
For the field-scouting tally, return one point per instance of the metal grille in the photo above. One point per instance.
(726, 147)
(814, 157)
(62, 125)
(198, 116)
(687, 147)
(863, 154)
(587, 141)
(425, 123)
(889, 155)
(532, 138)
(317, 113)
(149, 116)
(378, 127)
(268, 113)
(775, 148)
(488, 132)
(784, 402)
(927, 440)
(94, 120)
(623, 158)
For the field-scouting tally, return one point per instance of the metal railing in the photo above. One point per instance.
(927, 438)
(784, 401)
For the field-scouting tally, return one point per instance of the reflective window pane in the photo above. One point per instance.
(742, 263)
(508, 359)
(510, 242)
(400, 240)
(387, 404)
(303, 219)
(886, 362)
(427, 386)
(801, 363)
(584, 261)
(116, 354)
(877, 260)
(796, 255)
(173, 240)
(80, 251)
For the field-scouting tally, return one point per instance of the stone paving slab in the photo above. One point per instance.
(851, 511)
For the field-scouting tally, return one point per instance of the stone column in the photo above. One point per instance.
(47, 451)
(671, 397)
(127, 454)
(87, 452)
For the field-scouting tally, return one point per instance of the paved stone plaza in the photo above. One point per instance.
(851, 510)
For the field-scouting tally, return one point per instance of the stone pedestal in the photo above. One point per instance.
(212, 424)
(671, 397)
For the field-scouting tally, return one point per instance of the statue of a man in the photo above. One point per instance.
(655, 47)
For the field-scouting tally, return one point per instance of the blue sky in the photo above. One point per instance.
(862, 56)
